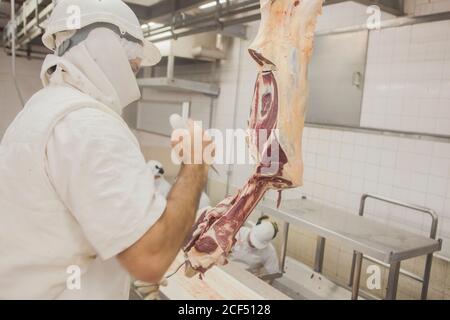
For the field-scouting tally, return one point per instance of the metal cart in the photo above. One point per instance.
(367, 238)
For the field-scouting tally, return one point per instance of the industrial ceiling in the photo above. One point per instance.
(170, 18)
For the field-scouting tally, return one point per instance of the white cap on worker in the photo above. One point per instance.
(72, 15)
(261, 234)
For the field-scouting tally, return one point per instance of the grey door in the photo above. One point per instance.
(336, 79)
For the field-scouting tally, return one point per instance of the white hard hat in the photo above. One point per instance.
(77, 14)
(262, 233)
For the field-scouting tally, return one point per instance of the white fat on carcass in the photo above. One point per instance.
(206, 260)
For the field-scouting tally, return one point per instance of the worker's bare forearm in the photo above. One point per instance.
(152, 255)
(183, 198)
(182, 204)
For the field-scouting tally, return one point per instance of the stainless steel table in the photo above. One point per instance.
(368, 239)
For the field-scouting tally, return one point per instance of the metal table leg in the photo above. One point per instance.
(394, 271)
(395, 267)
(320, 250)
(284, 247)
(352, 269)
(426, 277)
(356, 275)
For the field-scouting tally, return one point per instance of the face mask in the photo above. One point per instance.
(114, 63)
(106, 72)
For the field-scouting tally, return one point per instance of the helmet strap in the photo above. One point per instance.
(83, 33)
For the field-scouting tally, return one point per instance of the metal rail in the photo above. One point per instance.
(181, 20)
(230, 14)
(394, 268)
(384, 132)
(283, 250)
(356, 233)
(391, 23)
(182, 24)
(26, 24)
(13, 38)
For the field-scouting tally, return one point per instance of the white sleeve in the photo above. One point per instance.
(271, 263)
(101, 176)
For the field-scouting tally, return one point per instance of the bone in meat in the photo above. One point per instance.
(282, 50)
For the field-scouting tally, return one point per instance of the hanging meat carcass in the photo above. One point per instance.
(282, 50)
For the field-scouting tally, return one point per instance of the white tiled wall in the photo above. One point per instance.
(345, 14)
(407, 83)
(424, 7)
(342, 165)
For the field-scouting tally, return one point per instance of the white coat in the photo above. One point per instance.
(256, 259)
(162, 186)
(75, 190)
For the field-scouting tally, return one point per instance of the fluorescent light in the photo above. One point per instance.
(210, 4)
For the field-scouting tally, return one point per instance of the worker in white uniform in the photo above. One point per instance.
(254, 248)
(163, 186)
(79, 212)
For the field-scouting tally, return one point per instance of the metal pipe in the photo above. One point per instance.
(398, 22)
(284, 244)
(235, 109)
(355, 253)
(13, 38)
(32, 55)
(210, 122)
(392, 23)
(203, 25)
(170, 65)
(393, 273)
(402, 271)
(209, 16)
(383, 132)
(196, 23)
(428, 211)
(225, 11)
(426, 277)
(209, 28)
(320, 251)
(391, 292)
(247, 6)
(352, 269)
(356, 276)
(13, 50)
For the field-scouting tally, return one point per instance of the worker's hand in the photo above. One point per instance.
(192, 145)
(150, 291)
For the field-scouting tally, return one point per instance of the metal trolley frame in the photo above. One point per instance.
(369, 239)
